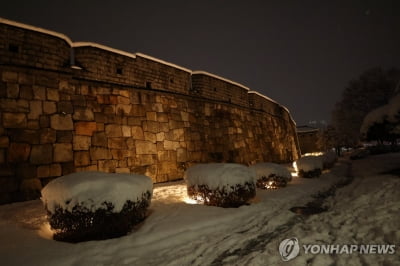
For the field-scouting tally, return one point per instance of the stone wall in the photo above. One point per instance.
(91, 117)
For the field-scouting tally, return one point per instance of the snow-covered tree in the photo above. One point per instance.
(383, 123)
(371, 90)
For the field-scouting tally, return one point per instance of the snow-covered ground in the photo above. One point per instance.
(179, 233)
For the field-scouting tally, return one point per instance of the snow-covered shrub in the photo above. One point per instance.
(220, 184)
(329, 159)
(309, 166)
(271, 175)
(92, 205)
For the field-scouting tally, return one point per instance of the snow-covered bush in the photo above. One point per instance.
(271, 175)
(220, 184)
(309, 166)
(93, 205)
(329, 159)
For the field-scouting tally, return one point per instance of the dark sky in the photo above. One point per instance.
(300, 53)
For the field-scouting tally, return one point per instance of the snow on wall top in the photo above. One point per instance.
(37, 29)
(163, 62)
(219, 175)
(103, 47)
(200, 72)
(92, 189)
(131, 55)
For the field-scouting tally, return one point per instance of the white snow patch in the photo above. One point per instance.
(390, 112)
(219, 175)
(267, 169)
(201, 72)
(92, 189)
(37, 29)
(309, 163)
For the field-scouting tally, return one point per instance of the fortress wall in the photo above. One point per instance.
(34, 47)
(56, 122)
(213, 87)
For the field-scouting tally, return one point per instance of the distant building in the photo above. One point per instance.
(308, 139)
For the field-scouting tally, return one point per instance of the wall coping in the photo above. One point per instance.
(134, 56)
(201, 72)
(37, 29)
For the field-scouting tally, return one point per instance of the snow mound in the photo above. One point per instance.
(92, 189)
(218, 175)
(268, 169)
(309, 163)
(389, 112)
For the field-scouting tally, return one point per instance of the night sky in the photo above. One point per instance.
(300, 53)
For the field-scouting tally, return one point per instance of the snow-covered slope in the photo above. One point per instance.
(177, 233)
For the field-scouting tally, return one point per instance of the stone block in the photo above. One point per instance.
(55, 169)
(81, 158)
(61, 122)
(43, 171)
(137, 132)
(138, 110)
(150, 126)
(117, 143)
(12, 90)
(122, 170)
(113, 130)
(126, 131)
(53, 95)
(65, 107)
(41, 154)
(99, 139)
(26, 92)
(108, 166)
(44, 121)
(185, 116)
(64, 136)
(171, 145)
(85, 128)
(160, 136)
(81, 142)
(14, 120)
(49, 107)
(39, 93)
(181, 155)
(146, 159)
(18, 152)
(151, 116)
(35, 109)
(145, 147)
(8, 76)
(83, 114)
(47, 135)
(4, 141)
(63, 152)
(123, 109)
(97, 153)
(150, 137)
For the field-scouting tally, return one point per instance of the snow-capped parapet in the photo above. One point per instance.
(271, 175)
(92, 189)
(309, 166)
(220, 184)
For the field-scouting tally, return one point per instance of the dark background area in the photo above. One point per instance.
(300, 53)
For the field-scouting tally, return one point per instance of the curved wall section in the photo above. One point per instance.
(127, 113)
